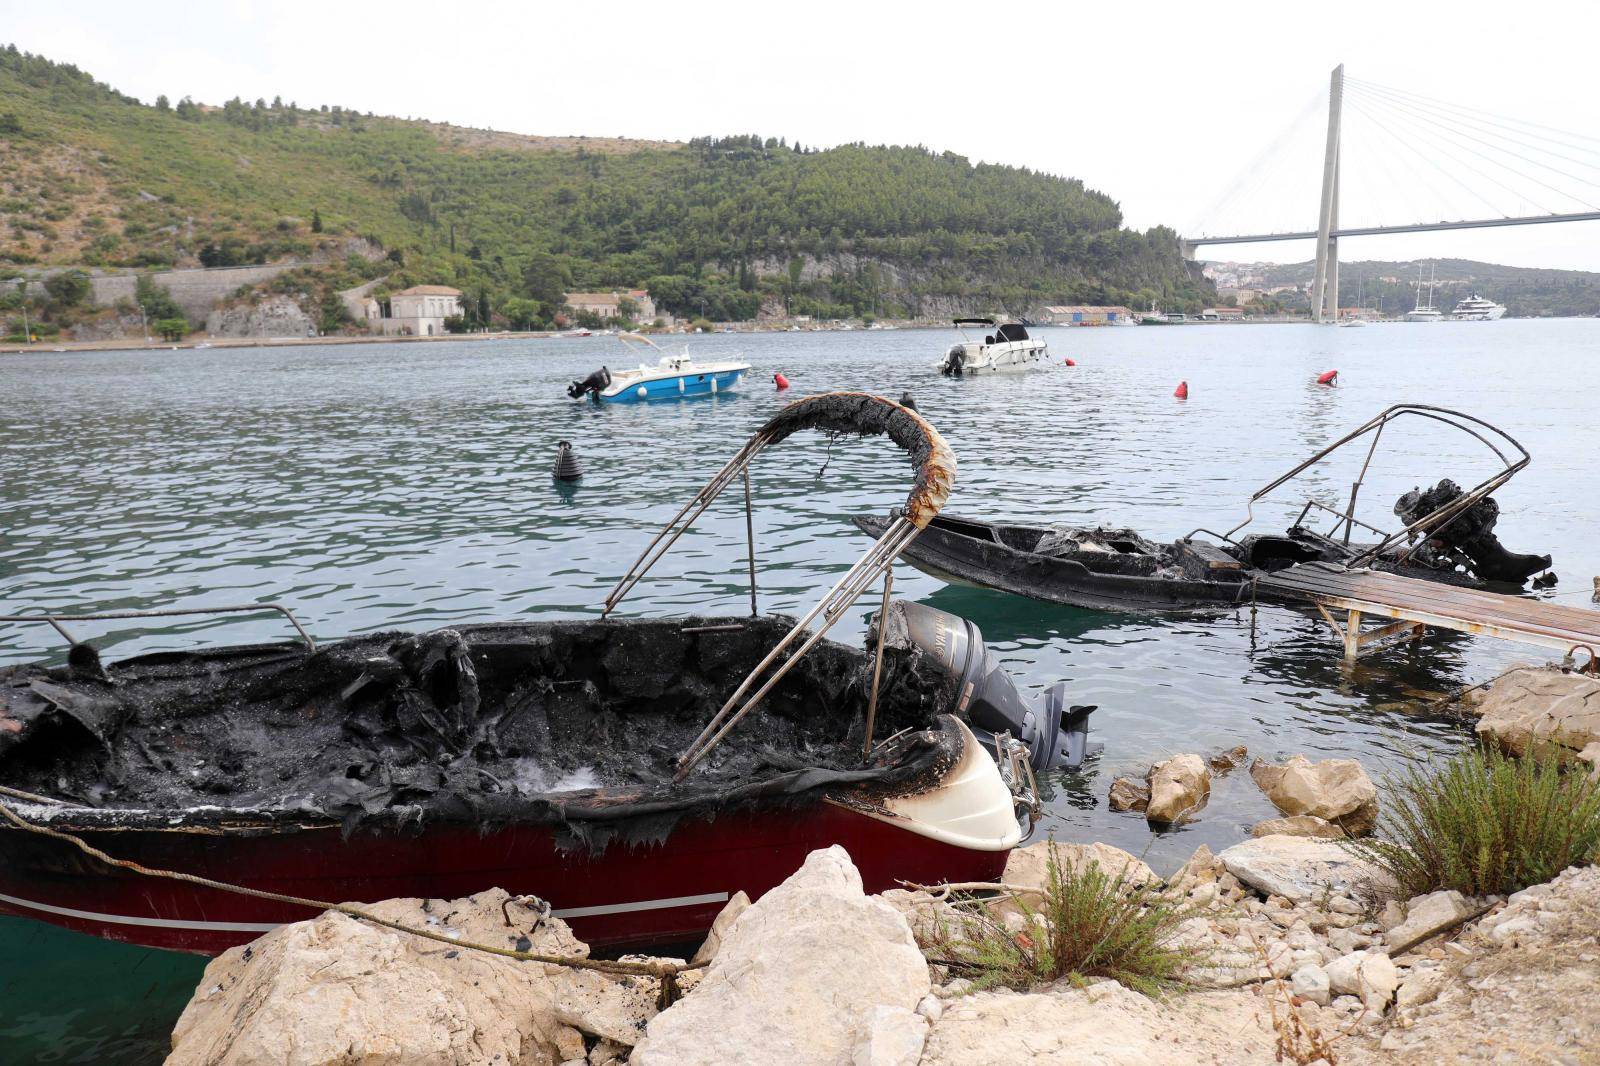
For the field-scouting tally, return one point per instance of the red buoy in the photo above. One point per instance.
(780, 381)
(1070, 362)
(1330, 377)
(1182, 391)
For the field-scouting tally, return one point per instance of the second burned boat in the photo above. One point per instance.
(603, 765)
(1447, 536)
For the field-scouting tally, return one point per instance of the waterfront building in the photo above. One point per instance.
(419, 311)
(1078, 315)
(607, 306)
(1221, 314)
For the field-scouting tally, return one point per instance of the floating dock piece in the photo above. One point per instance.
(1413, 605)
(566, 467)
(1182, 391)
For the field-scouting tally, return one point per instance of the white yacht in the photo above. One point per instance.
(1424, 312)
(1008, 350)
(1476, 309)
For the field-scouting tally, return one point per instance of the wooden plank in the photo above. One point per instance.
(1396, 590)
(1557, 640)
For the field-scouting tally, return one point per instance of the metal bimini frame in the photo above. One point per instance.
(856, 413)
(57, 621)
(1421, 530)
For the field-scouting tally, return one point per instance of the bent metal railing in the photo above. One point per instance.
(1429, 524)
(56, 620)
(836, 413)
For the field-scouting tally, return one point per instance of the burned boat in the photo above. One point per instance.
(1447, 536)
(599, 765)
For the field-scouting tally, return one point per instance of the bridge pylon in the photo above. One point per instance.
(1325, 285)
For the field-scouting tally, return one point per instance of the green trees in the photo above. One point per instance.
(155, 301)
(67, 289)
(316, 221)
(171, 329)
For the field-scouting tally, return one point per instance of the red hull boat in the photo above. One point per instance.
(569, 761)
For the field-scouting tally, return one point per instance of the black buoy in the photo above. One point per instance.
(907, 402)
(566, 468)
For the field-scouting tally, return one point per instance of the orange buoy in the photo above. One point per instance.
(1330, 377)
(1182, 391)
(1070, 362)
(780, 381)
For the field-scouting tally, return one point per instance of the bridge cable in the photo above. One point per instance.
(1477, 111)
(1430, 161)
(1439, 114)
(1423, 133)
(1265, 162)
(1436, 122)
(1437, 134)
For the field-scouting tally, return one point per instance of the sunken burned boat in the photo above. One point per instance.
(1447, 536)
(601, 766)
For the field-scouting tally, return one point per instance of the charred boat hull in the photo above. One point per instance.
(539, 758)
(625, 896)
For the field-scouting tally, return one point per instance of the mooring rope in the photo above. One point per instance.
(666, 972)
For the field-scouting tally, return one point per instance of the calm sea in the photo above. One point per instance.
(374, 486)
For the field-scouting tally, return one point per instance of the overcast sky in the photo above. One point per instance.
(1166, 107)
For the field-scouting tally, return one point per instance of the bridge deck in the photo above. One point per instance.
(1414, 603)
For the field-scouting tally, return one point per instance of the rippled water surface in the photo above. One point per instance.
(372, 486)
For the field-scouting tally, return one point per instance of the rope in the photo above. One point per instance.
(666, 971)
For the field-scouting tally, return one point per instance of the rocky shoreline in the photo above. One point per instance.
(1300, 950)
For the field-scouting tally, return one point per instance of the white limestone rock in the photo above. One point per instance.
(1311, 982)
(1429, 912)
(1179, 788)
(797, 978)
(1370, 975)
(1334, 790)
(890, 1036)
(1303, 870)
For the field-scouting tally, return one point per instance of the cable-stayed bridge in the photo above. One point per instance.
(1505, 171)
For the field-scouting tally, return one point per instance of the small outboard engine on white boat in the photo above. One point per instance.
(1056, 734)
(955, 360)
(595, 382)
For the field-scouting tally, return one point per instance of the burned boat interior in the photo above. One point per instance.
(538, 722)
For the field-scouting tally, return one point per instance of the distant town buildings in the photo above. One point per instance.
(1080, 315)
(607, 306)
(1221, 314)
(419, 311)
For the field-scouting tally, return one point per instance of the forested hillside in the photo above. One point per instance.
(95, 178)
(1527, 292)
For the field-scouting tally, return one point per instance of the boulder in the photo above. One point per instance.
(1223, 761)
(1201, 868)
(891, 1036)
(719, 928)
(1030, 867)
(1370, 975)
(1541, 710)
(1430, 912)
(1179, 787)
(930, 919)
(1335, 790)
(326, 991)
(1303, 870)
(1311, 982)
(1421, 986)
(1299, 825)
(1128, 795)
(797, 977)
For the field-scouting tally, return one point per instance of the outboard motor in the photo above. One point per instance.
(1056, 734)
(1471, 533)
(954, 361)
(595, 382)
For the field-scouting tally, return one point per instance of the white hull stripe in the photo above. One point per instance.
(264, 927)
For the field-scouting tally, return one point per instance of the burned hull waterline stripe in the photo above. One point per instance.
(154, 923)
(642, 905)
(265, 927)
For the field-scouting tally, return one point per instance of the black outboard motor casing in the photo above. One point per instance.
(595, 382)
(1057, 735)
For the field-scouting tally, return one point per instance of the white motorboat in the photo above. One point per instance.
(1008, 350)
(1476, 309)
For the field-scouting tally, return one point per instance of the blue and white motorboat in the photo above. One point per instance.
(674, 376)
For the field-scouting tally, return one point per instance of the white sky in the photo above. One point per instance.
(1162, 105)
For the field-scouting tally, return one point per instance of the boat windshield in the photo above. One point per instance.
(1012, 331)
